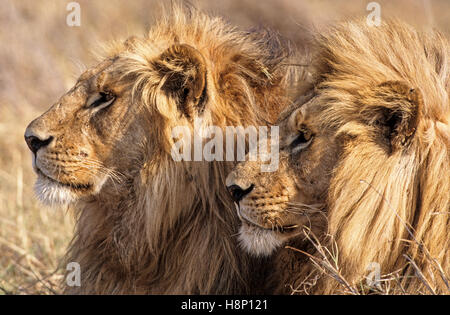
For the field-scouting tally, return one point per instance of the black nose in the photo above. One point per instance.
(34, 143)
(238, 193)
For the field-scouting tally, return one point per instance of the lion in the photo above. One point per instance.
(145, 223)
(364, 176)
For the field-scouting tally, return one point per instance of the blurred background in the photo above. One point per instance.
(40, 59)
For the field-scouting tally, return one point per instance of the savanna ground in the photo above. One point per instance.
(41, 57)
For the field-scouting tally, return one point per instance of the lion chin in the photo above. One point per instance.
(257, 241)
(53, 194)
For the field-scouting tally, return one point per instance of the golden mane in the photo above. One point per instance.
(171, 229)
(388, 203)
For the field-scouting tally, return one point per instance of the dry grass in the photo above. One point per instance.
(41, 57)
(326, 263)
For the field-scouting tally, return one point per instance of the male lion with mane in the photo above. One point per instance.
(146, 223)
(366, 154)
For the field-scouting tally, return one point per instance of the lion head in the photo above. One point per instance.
(145, 221)
(121, 112)
(274, 207)
(371, 143)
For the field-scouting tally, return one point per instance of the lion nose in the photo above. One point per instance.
(238, 193)
(35, 143)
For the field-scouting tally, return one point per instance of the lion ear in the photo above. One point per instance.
(183, 71)
(394, 107)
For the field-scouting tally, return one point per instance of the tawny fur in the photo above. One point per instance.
(171, 228)
(384, 201)
(378, 162)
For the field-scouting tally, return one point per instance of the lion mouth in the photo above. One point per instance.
(275, 228)
(74, 186)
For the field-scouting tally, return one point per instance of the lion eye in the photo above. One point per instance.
(102, 100)
(302, 140)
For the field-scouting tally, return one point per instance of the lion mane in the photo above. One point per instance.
(171, 229)
(389, 196)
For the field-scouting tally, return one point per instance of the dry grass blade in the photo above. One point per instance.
(326, 261)
(420, 275)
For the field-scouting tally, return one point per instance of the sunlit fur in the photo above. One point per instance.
(166, 226)
(388, 195)
(376, 194)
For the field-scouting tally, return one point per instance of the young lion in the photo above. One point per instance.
(146, 223)
(370, 147)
